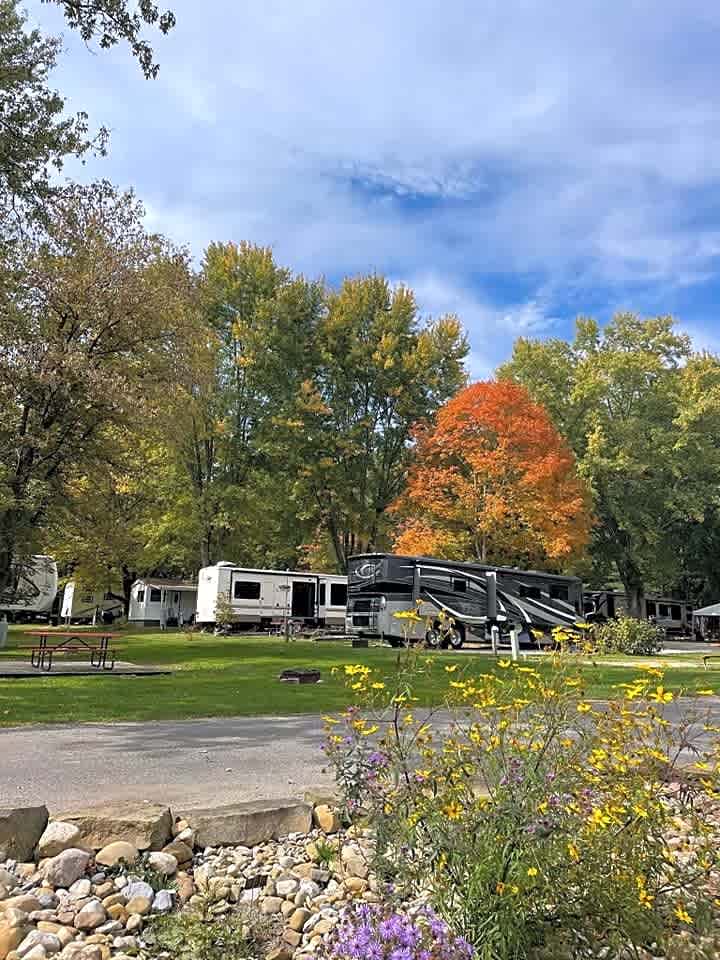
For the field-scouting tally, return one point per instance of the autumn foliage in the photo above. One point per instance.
(492, 480)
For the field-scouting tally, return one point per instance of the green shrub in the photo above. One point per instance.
(188, 936)
(628, 635)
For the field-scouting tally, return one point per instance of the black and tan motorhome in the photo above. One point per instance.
(457, 602)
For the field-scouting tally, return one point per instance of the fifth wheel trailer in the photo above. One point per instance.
(32, 590)
(473, 596)
(263, 597)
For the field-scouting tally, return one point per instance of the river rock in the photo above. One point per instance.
(117, 852)
(164, 863)
(138, 888)
(67, 867)
(326, 818)
(57, 836)
(90, 916)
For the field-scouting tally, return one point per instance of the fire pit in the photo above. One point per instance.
(300, 675)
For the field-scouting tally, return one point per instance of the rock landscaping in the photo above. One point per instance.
(90, 884)
(84, 894)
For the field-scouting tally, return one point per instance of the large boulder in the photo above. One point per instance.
(147, 826)
(247, 824)
(20, 830)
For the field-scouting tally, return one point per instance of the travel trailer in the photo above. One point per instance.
(457, 602)
(263, 598)
(82, 605)
(158, 601)
(32, 591)
(674, 616)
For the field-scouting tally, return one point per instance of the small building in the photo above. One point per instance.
(83, 605)
(706, 622)
(158, 601)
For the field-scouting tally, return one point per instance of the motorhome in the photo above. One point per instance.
(456, 602)
(674, 616)
(263, 598)
(32, 590)
(83, 605)
(160, 601)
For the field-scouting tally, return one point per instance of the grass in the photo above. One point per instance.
(237, 676)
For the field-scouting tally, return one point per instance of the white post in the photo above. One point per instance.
(515, 642)
(3, 631)
(494, 638)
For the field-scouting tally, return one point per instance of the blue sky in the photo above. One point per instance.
(515, 162)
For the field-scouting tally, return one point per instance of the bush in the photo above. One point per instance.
(192, 937)
(381, 933)
(628, 635)
(538, 824)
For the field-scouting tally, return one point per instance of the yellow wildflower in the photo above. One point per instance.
(682, 914)
(532, 871)
(451, 669)
(583, 708)
(661, 695)
(573, 852)
(452, 810)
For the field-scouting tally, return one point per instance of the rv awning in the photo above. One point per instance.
(712, 611)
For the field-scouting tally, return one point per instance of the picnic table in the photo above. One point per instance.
(102, 655)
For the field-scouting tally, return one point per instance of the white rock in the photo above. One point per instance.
(164, 863)
(138, 888)
(81, 888)
(48, 941)
(163, 902)
(286, 888)
(58, 836)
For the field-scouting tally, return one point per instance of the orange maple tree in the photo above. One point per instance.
(492, 480)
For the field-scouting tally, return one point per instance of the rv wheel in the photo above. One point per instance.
(455, 638)
(433, 639)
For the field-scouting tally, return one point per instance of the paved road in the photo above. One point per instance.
(188, 762)
(179, 762)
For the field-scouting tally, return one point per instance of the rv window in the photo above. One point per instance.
(532, 593)
(246, 590)
(651, 609)
(321, 595)
(664, 610)
(559, 593)
(108, 596)
(141, 596)
(459, 586)
(155, 595)
(338, 594)
(676, 612)
(87, 598)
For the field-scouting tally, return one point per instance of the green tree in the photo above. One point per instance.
(379, 371)
(113, 21)
(35, 136)
(261, 323)
(641, 412)
(89, 331)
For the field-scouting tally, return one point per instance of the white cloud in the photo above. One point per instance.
(571, 146)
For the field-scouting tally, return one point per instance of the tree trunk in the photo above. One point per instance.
(632, 581)
(128, 578)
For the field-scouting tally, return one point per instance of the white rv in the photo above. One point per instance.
(32, 590)
(264, 598)
(159, 601)
(83, 605)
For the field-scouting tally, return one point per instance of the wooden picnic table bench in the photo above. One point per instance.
(102, 655)
(710, 656)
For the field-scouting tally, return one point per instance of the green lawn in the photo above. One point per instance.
(237, 676)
